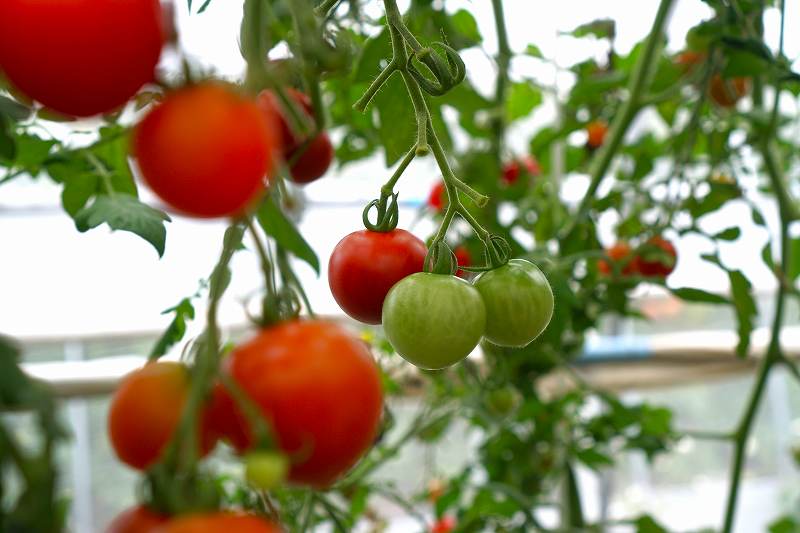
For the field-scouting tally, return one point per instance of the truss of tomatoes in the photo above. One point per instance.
(655, 258)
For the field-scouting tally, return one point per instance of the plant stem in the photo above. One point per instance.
(324, 8)
(503, 61)
(362, 103)
(642, 74)
(572, 511)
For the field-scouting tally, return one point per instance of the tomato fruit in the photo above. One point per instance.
(688, 60)
(512, 169)
(463, 258)
(596, 131)
(446, 524)
(437, 198)
(80, 57)
(219, 522)
(206, 150)
(655, 264)
(308, 163)
(145, 411)
(138, 519)
(726, 92)
(619, 253)
(266, 470)
(519, 302)
(318, 387)
(502, 401)
(433, 320)
(366, 264)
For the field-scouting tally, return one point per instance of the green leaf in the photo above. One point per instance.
(600, 28)
(592, 458)
(745, 308)
(647, 524)
(32, 151)
(174, 333)
(463, 22)
(8, 147)
(280, 228)
(533, 51)
(691, 294)
(77, 191)
(13, 109)
(786, 524)
(397, 127)
(522, 98)
(125, 213)
(794, 254)
(730, 234)
(112, 149)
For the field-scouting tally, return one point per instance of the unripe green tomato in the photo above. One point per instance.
(503, 401)
(433, 320)
(266, 470)
(518, 300)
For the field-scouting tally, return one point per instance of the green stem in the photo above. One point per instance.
(102, 171)
(325, 7)
(503, 61)
(362, 103)
(572, 511)
(266, 266)
(642, 74)
(420, 112)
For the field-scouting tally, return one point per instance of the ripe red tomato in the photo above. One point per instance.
(366, 264)
(206, 150)
(320, 389)
(726, 92)
(596, 130)
(437, 198)
(619, 253)
(688, 60)
(653, 264)
(311, 162)
(80, 57)
(446, 524)
(219, 522)
(511, 170)
(463, 258)
(138, 519)
(145, 410)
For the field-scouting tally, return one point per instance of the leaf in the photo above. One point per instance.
(280, 228)
(600, 28)
(13, 109)
(730, 234)
(174, 333)
(522, 98)
(745, 308)
(647, 524)
(8, 147)
(125, 213)
(786, 524)
(77, 191)
(533, 51)
(794, 255)
(112, 149)
(397, 127)
(463, 22)
(32, 151)
(691, 294)
(593, 458)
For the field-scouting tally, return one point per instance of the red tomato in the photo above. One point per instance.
(145, 410)
(80, 57)
(596, 130)
(320, 389)
(206, 150)
(689, 59)
(437, 198)
(654, 266)
(512, 169)
(618, 253)
(366, 264)
(726, 92)
(446, 524)
(463, 258)
(136, 520)
(222, 522)
(313, 160)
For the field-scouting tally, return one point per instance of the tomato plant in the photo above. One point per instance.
(366, 264)
(80, 57)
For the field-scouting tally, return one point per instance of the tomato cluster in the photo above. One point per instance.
(141, 520)
(656, 258)
(725, 92)
(513, 169)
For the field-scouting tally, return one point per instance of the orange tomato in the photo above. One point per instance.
(137, 519)
(618, 253)
(727, 92)
(596, 131)
(221, 522)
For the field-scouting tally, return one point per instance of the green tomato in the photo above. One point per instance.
(503, 400)
(433, 320)
(266, 470)
(519, 302)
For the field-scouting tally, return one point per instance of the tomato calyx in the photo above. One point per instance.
(388, 214)
(446, 74)
(441, 259)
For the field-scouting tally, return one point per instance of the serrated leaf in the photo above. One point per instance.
(690, 294)
(77, 191)
(32, 151)
(745, 307)
(463, 22)
(730, 234)
(112, 149)
(521, 100)
(125, 213)
(280, 228)
(184, 312)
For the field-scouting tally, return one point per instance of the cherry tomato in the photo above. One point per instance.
(463, 258)
(433, 320)
(689, 59)
(653, 263)
(138, 519)
(619, 253)
(205, 150)
(266, 470)
(80, 57)
(446, 524)
(511, 170)
(518, 300)
(309, 162)
(222, 522)
(366, 264)
(596, 131)
(145, 411)
(726, 92)
(437, 198)
(320, 389)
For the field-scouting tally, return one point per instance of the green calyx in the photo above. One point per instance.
(388, 214)
(447, 73)
(441, 259)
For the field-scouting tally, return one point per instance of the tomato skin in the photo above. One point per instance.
(80, 57)
(619, 252)
(688, 60)
(137, 519)
(518, 300)
(437, 198)
(145, 411)
(321, 390)
(654, 267)
(205, 150)
(446, 524)
(314, 160)
(596, 131)
(366, 264)
(433, 320)
(512, 169)
(727, 92)
(219, 523)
